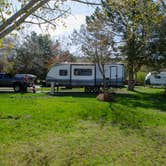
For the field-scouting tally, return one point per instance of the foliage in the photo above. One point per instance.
(60, 55)
(158, 49)
(79, 130)
(134, 21)
(33, 55)
(38, 53)
(6, 54)
(140, 77)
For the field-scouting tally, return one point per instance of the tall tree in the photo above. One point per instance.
(96, 43)
(33, 55)
(158, 48)
(134, 21)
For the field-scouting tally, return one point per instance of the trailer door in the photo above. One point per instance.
(114, 75)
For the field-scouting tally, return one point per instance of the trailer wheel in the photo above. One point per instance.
(89, 89)
(96, 89)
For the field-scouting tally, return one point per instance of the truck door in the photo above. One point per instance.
(1, 81)
(114, 75)
(6, 80)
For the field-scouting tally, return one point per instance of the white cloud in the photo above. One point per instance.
(64, 26)
(67, 25)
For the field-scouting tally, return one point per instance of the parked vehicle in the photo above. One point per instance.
(154, 78)
(85, 75)
(19, 82)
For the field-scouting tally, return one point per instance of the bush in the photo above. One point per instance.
(141, 77)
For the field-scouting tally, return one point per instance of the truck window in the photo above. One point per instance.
(63, 72)
(7, 76)
(82, 72)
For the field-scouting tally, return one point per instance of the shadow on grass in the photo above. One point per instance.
(131, 110)
(75, 94)
(144, 100)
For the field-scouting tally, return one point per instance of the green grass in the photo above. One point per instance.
(76, 129)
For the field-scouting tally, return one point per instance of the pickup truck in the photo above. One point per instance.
(20, 82)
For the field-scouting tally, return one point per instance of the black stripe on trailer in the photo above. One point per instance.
(95, 76)
(70, 74)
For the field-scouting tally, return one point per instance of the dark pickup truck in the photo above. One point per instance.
(20, 82)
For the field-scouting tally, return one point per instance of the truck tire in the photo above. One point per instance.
(17, 88)
(24, 89)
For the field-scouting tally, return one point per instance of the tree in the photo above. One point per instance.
(158, 48)
(41, 12)
(33, 55)
(60, 55)
(133, 21)
(96, 43)
(38, 53)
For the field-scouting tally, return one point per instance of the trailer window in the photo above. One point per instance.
(82, 72)
(63, 72)
(157, 76)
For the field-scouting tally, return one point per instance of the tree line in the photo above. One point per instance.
(35, 55)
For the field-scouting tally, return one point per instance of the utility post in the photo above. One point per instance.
(52, 88)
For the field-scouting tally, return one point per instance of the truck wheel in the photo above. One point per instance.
(24, 89)
(17, 88)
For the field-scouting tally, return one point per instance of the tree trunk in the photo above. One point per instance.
(135, 73)
(131, 77)
(104, 84)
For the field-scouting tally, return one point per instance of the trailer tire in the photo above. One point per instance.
(89, 89)
(96, 89)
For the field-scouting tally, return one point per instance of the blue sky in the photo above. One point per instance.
(82, 9)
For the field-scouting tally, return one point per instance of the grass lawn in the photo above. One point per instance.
(78, 130)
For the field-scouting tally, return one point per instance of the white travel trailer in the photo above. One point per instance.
(155, 78)
(85, 75)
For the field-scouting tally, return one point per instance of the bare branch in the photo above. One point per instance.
(17, 23)
(45, 20)
(87, 2)
(20, 16)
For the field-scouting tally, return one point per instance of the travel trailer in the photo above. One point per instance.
(154, 78)
(85, 75)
